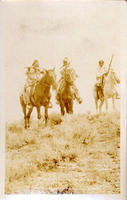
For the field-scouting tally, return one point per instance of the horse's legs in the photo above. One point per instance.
(38, 114)
(113, 103)
(70, 107)
(106, 104)
(28, 116)
(46, 114)
(23, 109)
(96, 103)
(62, 108)
(66, 104)
(101, 104)
(99, 95)
(95, 93)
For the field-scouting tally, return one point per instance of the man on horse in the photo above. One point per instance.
(33, 74)
(67, 74)
(101, 76)
(101, 71)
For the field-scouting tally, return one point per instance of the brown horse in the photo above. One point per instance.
(40, 96)
(106, 91)
(66, 98)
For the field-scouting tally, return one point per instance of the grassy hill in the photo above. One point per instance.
(73, 154)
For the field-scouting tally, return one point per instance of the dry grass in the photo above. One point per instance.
(73, 154)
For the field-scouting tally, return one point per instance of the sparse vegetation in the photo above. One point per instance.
(73, 154)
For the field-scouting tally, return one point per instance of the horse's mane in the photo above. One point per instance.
(44, 78)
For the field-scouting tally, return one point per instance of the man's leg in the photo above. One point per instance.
(76, 94)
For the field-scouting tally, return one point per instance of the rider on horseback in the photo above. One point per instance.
(33, 75)
(36, 71)
(67, 74)
(102, 73)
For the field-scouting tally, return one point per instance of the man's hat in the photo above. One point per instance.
(35, 63)
(101, 62)
(66, 60)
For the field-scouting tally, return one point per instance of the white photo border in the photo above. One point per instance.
(123, 184)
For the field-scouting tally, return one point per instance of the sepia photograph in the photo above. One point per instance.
(62, 97)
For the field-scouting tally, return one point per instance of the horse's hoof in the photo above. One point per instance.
(25, 126)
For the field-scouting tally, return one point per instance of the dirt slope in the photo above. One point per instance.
(73, 154)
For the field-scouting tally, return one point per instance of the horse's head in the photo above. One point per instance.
(51, 77)
(114, 77)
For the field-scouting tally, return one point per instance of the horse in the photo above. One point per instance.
(106, 91)
(40, 96)
(66, 98)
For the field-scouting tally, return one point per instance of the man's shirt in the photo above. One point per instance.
(100, 72)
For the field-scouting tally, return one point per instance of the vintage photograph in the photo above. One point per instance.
(63, 97)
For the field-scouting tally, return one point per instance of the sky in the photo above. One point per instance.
(85, 32)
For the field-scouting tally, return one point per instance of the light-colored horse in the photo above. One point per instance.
(40, 96)
(107, 91)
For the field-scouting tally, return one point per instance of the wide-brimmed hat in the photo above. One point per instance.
(101, 62)
(35, 63)
(66, 60)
